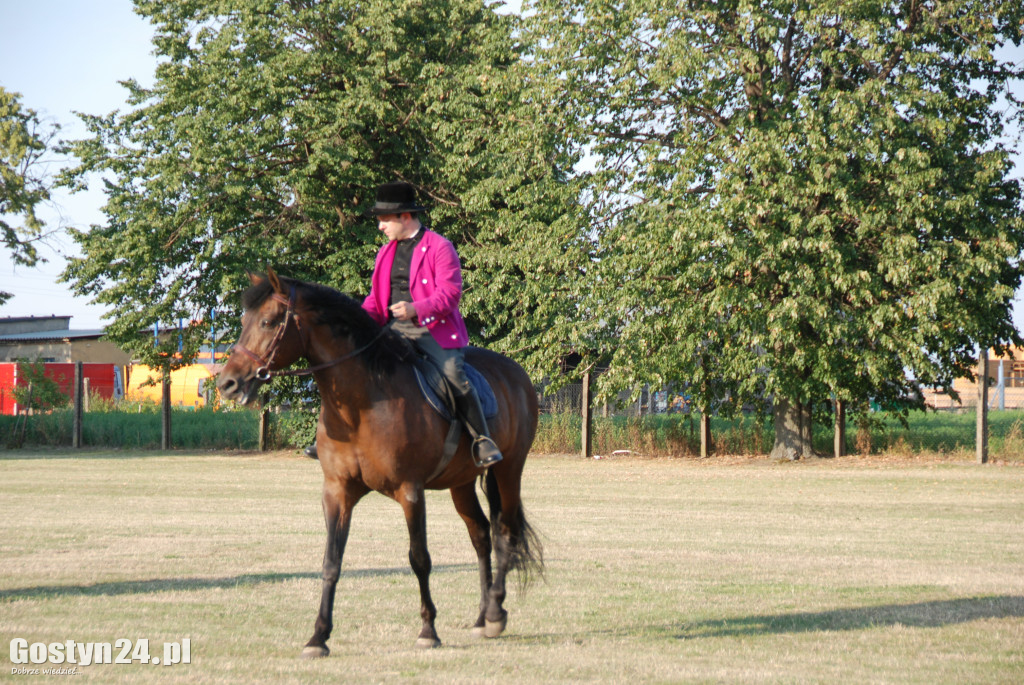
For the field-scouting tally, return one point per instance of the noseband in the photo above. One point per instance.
(263, 371)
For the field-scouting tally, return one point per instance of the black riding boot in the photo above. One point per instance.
(485, 452)
(311, 452)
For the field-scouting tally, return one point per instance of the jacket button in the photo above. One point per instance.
(443, 321)
(423, 249)
(454, 336)
(424, 281)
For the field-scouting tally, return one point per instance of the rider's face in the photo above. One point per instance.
(397, 226)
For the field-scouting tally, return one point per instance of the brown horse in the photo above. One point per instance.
(376, 432)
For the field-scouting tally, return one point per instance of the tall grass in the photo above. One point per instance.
(669, 435)
(134, 426)
(675, 435)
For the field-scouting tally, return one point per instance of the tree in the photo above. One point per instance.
(36, 390)
(794, 199)
(24, 140)
(266, 132)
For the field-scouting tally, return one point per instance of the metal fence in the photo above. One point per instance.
(949, 426)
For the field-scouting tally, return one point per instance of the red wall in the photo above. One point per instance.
(6, 383)
(101, 380)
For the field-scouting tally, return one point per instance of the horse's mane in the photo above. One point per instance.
(346, 318)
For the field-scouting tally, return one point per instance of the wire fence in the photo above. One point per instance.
(659, 421)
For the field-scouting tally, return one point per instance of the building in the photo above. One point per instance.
(51, 339)
(1006, 385)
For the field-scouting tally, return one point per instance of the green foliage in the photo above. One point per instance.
(295, 428)
(266, 132)
(794, 199)
(23, 188)
(37, 391)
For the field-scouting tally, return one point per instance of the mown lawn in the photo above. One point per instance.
(658, 570)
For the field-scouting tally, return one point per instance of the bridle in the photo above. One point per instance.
(263, 371)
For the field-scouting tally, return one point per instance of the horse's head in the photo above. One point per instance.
(269, 340)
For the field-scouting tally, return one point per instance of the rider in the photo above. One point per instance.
(415, 289)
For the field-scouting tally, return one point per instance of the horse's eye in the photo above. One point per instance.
(266, 323)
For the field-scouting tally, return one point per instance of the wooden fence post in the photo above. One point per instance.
(165, 413)
(705, 434)
(587, 437)
(981, 428)
(76, 423)
(264, 430)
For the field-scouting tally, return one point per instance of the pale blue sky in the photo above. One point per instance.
(65, 56)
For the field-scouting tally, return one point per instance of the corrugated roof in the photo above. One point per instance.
(52, 335)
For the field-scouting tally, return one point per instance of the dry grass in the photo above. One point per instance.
(725, 570)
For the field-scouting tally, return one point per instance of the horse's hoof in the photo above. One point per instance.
(313, 652)
(477, 632)
(427, 643)
(495, 628)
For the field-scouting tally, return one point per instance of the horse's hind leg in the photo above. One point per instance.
(516, 544)
(468, 506)
(503, 503)
(415, 508)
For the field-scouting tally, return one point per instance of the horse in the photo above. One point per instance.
(376, 432)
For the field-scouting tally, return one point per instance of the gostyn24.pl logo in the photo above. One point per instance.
(70, 654)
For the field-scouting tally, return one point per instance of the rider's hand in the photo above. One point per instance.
(403, 311)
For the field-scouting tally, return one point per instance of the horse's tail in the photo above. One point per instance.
(526, 553)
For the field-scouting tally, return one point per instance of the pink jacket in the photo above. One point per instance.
(435, 283)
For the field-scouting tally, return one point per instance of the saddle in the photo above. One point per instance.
(439, 395)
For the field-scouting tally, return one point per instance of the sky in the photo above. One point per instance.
(67, 56)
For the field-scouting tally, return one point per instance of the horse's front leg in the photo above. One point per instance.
(415, 508)
(338, 502)
(468, 506)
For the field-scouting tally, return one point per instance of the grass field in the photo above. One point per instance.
(658, 571)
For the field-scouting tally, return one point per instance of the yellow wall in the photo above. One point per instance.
(188, 385)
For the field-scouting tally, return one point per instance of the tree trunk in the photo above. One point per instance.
(806, 432)
(790, 433)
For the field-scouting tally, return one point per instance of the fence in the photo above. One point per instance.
(660, 421)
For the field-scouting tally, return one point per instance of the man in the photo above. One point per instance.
(416, 288)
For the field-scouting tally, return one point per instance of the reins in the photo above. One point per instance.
(264, 373)
(313, 369)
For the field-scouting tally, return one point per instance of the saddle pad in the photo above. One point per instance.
(433, 393)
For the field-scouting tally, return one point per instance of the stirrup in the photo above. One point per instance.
(485, 452)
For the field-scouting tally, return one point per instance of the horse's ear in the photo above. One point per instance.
(254, 279)
(275, 282)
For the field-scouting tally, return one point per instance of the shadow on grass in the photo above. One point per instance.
(141, 587)
(934, 614)
(55, 453)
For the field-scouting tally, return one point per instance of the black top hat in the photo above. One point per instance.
(395, 198)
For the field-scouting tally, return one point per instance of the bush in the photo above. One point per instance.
(294, 428)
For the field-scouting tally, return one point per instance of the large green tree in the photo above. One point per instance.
(793, 199)
(268, 128)
(24, 185)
